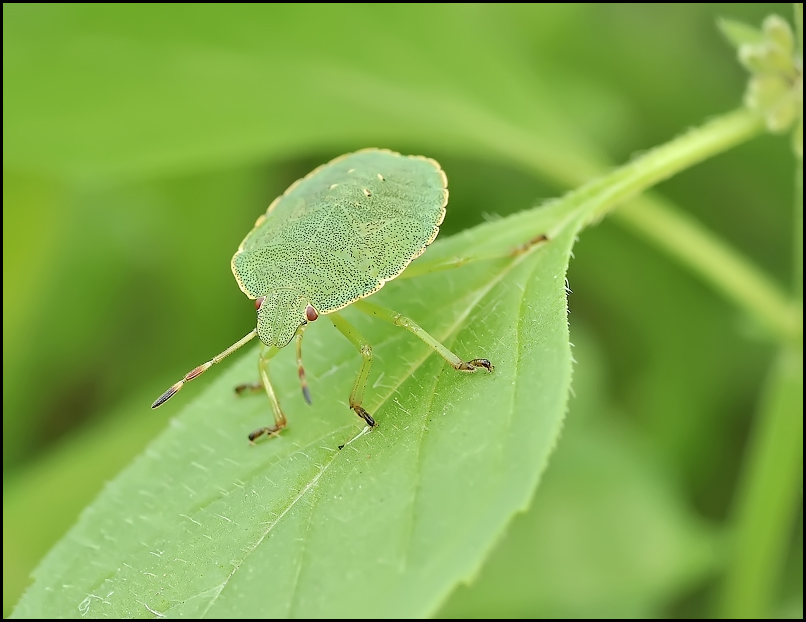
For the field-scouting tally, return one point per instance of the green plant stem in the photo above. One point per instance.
(681, 236)
(728, 272)
(798, 241)
(680, 153)
(686, 240)
(772, 472)
(771, 484)
(769, 490)
(797, 267)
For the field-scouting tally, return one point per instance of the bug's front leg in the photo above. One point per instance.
(266, 354)
(358, 340)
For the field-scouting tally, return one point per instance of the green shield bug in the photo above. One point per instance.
(333, 238)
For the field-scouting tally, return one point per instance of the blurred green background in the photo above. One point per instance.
(142, 141)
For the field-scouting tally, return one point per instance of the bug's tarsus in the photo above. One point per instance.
(268, 431)
(475, 364)
(363, 414)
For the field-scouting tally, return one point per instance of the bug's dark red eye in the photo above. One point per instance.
(259, 302)
(311, 313)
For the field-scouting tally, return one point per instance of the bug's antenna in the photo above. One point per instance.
(198, 371)
(300, 369)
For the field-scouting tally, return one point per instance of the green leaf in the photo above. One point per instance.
(201, 524)
(560, 561)
(575, 553)
(205, 525)
(83, 105)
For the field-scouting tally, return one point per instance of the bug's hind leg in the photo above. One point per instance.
(266, 354)
(424, 265)
(401, 320)
(358, 340)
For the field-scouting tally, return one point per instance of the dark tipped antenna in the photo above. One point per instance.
(198, 371)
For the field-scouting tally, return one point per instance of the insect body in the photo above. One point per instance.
(333, 238)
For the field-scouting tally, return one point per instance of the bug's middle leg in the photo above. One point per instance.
(266, 354)
(358, 340)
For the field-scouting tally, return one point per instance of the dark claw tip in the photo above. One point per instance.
(272, 431)
(482, 363)
(254, 435)
(364, 415)
(306, 394)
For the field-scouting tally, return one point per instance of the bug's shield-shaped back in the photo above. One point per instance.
(279, 316)
(344, 230)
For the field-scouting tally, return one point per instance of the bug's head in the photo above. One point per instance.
(280, 313)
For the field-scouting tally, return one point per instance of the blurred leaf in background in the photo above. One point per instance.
(142, 141)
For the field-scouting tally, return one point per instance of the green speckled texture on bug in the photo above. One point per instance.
(338, 235)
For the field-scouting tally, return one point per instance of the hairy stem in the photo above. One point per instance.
(680, 235)
(730, 273)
